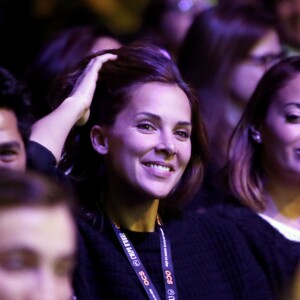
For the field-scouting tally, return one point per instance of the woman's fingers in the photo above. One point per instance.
(84, 88)
(86, 84)
(94, 66)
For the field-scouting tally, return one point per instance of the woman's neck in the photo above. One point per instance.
(132, 215)
(283, 204)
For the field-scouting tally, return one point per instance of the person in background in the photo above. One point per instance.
(225, 53)
(67, 47)
(264, 164)
(37, 238)
(15, 121)
(263, 169)
(165, 22)
(287, 15)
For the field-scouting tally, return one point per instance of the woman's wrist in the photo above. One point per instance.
(79, 109)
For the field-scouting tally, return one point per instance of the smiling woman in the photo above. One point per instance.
(136, 160)
(153, 131)
(264, 160)
(148, 112)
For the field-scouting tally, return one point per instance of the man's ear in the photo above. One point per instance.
(255, 134)
(99, 139)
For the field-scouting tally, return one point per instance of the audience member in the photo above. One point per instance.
(226, 51)
(66, 48)
(166, 22)
(37, 238)
(15, 121)
(264, 169)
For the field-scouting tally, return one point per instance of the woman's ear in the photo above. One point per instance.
(255, 134)
(99, 139)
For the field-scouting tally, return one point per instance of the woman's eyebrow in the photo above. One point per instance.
(157, 117)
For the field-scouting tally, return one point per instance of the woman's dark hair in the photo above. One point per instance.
(245, 170)
(136, 64)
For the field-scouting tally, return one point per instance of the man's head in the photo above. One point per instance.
(37, 238)
(15, 121)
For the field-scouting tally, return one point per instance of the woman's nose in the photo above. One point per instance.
(166, 144)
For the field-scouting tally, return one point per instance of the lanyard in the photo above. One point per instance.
(142, 274)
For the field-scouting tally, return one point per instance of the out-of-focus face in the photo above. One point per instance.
(37, 249)
(281, 136)
(177, 19)
(246, 75)
(12, 149)
(149, 145)
(288, 15)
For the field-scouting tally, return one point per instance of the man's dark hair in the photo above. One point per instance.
(16, 98)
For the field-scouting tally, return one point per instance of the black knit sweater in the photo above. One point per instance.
(278, 256)
(211, 261)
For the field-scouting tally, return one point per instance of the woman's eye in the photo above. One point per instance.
(293, 118)
(184, 134)
(145, 126)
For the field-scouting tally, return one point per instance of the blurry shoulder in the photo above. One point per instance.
(253, 227)
(234, 211)
(241, 216)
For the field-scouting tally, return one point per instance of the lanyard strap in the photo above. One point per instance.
(167, 264)
(140, 270)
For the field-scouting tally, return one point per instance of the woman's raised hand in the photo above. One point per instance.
(84, 88)
(52, 130)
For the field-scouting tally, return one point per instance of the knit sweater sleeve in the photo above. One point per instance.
(40, 159)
